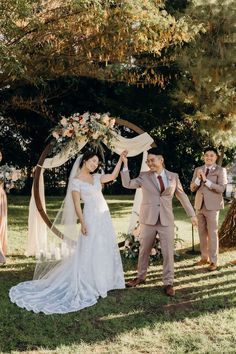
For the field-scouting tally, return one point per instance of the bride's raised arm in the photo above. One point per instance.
(112, 176)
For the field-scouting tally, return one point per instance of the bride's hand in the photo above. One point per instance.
(83, 229)
(123, 156)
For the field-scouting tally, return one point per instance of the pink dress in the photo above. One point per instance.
(3, 224)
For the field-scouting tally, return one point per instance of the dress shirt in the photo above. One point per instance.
(208, 183)
(164, 178)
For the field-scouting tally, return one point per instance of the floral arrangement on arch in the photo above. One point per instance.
(132, 244)
(11, 177)
(95, 127)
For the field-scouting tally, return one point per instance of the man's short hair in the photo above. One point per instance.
(155, 151)
(211, 148)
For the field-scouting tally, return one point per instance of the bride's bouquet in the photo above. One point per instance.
(95, 127)
(11, 177)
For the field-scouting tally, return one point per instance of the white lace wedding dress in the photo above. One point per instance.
(93, 269)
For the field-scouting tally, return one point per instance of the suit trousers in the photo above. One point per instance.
(147, 238)
(208, 233)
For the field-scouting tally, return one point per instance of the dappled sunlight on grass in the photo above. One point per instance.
(200, 319)
(120, 315)
(127, 319)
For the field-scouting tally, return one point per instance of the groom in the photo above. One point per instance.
(156, 215)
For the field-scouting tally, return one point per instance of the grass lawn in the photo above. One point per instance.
(200, 319)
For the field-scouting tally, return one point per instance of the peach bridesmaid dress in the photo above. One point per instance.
(3, 224)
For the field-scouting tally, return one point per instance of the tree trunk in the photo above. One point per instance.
(221, 156)
(227, 233)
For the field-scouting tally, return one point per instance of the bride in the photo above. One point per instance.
(89, 264)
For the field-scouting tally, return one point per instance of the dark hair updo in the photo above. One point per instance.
(88, 155)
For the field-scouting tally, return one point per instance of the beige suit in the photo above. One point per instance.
(156, 216)
(208, 201)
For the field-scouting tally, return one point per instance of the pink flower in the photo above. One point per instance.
(153, 252)
(68, 132)
(55, 135)
(81, 120)
(76, 126)
(136, 231)
(15, 175)
(106, 120)
(112, 122)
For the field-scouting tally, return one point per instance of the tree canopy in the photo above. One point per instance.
(126, 40)
(208, 72)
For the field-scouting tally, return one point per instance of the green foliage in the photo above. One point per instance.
(122, 40)
(49, 46)
(208, 72)
(151, 108)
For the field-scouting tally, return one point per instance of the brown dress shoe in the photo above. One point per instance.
(169, 290)
(233, 262)
(202, 262)
(212, 267)
(134, 282)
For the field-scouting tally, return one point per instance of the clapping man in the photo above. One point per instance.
(209, 182)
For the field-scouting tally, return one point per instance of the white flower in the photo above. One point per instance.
(85, 116)
(76, 116)
(126, 243)
(63, 121)
(135, 25)
(96, 135)
(112, 122)
(68, 132)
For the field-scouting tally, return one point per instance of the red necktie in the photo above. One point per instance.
(207, 171)
(162, 187)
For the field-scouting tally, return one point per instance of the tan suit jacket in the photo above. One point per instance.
(212, 197)
(155, 204)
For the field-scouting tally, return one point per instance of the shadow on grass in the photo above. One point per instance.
(122, 311)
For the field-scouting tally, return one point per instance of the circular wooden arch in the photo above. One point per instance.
(38, 171)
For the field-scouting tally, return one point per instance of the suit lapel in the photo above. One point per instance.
(202, 168)
(154, 180)
(170, 181)
(213, 170)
